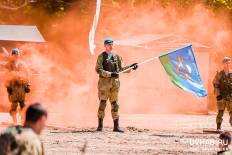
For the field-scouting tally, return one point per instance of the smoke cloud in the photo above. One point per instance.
(63, 73)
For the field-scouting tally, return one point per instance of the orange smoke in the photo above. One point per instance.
(63, 75)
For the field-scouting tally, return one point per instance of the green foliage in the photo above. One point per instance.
(182, 3)
(57, 8)
(52, 6)
(220, 5)
(217, 4)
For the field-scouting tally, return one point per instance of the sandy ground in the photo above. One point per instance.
(145, 135)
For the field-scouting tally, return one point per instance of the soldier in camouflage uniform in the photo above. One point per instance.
(108, 67)
(17, 83)
(24, 140)
(223, 91)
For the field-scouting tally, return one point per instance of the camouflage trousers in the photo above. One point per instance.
(112, 95)
(222, 105)
(14, 105)
(16, 95)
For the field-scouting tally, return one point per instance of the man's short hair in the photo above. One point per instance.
(34, 112)
(226, 59)
(225, 137)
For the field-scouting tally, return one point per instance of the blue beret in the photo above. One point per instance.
(108, 41)
(15, 51)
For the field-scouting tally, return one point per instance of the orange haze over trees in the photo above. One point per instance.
(62, 69)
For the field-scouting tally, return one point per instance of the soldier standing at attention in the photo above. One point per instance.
(108, 67)
(223, 91)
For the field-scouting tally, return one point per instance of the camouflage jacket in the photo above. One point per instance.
(226, 152)
(106, 65)
(223, 84)
(23, 141)
(15, 69)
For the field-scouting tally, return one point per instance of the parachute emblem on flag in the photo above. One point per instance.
(181, 68)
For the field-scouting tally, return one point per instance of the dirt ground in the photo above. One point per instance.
(145, 135)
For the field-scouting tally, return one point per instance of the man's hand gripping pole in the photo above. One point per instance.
(141, 63)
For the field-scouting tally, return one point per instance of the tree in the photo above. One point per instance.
(220, 5)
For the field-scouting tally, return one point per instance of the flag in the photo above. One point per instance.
(181, 68)
(94, 27)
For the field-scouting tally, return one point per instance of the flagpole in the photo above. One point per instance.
(141, 63)
(92, 48)
(92, 45)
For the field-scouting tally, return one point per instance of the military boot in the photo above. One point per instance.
(116, 126)
(100, 124)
